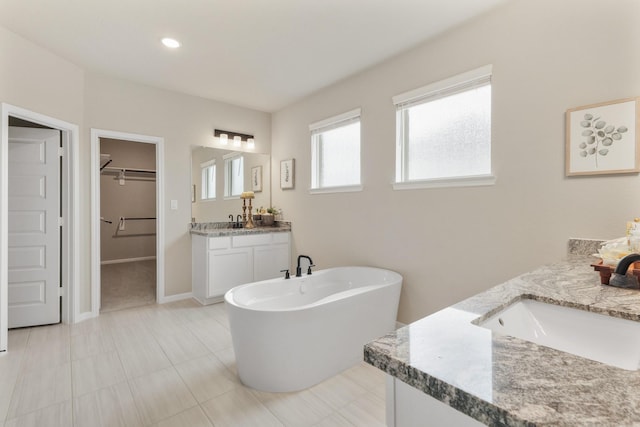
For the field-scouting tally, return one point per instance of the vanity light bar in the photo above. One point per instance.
(224, 136)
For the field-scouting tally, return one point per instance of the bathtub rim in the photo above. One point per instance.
(228, 296)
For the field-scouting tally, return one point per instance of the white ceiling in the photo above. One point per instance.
(262, 54)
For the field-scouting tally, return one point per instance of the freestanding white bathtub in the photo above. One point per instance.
(291, 334)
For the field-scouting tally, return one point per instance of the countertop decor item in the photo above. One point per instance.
(268, 219)
(603, 138)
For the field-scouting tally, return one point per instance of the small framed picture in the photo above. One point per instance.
(287, 174)
(256, 179)
(603, 138)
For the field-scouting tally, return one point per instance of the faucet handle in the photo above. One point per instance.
(286, 273)
(309, 269)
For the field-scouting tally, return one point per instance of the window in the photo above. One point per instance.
(444, 133)
(335, 153)
(208, 180)
(233, 175)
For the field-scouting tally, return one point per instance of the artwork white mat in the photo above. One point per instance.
(287, 174)
(603, 138)
(256, 179)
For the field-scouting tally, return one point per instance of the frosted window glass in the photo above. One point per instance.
(237, 177)
(234, 175)
(338, 162)
(209, 182)
(449, 137)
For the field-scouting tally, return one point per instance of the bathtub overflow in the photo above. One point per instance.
(500, 321)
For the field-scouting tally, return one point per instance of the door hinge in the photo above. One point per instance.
(60, 222)
(60, 291)
(60, 151)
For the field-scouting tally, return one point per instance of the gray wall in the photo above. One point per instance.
(547, 56)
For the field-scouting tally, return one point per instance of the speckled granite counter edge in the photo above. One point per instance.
(454, 397)
(221, 229)
(519, 383)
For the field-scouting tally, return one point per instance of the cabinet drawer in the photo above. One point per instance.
(251, 240)
(219, 243)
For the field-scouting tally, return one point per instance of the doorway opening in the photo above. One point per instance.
(128, 224)
(67, 296)
(127, 232)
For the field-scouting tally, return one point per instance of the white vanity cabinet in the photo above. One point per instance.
(220, 263)
(407, 407)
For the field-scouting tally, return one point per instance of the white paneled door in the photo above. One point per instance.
(34, 228)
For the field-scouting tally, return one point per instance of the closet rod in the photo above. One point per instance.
(115, 169)
(128, 218)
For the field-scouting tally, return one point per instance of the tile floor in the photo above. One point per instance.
(162, 365)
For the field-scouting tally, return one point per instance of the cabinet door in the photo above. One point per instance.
(270, 260)
(229, 268)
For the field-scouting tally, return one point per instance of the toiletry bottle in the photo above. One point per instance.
(634, 239)
(632, 226)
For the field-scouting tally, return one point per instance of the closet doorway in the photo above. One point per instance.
(126, 198)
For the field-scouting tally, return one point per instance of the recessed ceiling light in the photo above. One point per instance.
(171, 43)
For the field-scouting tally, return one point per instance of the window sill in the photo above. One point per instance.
(466, 181)
(343, 189)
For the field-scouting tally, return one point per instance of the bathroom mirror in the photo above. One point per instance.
(218, 177)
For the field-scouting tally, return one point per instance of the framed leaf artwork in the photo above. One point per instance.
(603, 138)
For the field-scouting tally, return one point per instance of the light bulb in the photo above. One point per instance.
(171, 43)
(251, 144)
(237, 141)
(224, 138)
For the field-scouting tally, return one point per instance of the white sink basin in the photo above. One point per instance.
(598, 337)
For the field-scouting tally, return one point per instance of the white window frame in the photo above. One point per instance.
(443, 88)
(205, 186)
(316, 129)
(228, 159)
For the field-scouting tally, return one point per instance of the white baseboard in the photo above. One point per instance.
(123, 260)
(81, 317)
(177, 297)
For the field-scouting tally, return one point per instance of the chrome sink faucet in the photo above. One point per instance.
(299, 270)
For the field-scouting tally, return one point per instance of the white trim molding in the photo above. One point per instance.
(341, 189)
(177, 297)
(336, 120)
(463, 181)
(96, 134)
(443, 85)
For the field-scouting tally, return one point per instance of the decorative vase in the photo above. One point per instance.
(267, 219)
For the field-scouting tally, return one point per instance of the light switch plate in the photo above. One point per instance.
(174, 205)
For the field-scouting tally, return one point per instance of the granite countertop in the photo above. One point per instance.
(221, 229)
(501, 380)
